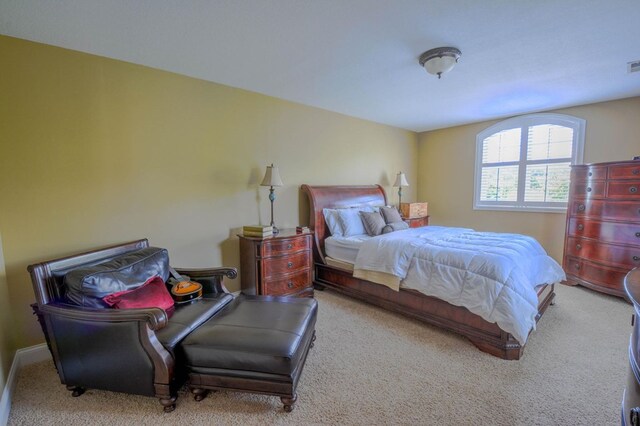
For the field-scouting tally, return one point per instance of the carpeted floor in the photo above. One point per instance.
(370, 366)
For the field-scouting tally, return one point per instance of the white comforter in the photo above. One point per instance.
(494, 275)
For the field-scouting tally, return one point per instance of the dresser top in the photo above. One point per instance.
(284, 233)
(610, 163)
(632, 285)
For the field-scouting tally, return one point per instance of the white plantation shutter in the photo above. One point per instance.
(500, 157)
(524, 163)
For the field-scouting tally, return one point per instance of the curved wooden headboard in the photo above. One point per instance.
(321, 197)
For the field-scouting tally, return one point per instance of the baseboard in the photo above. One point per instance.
(25, 356)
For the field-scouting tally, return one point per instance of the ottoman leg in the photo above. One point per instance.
(169, 404)
(76, 391)
(313, 340)
(199, 394)
(289, 402)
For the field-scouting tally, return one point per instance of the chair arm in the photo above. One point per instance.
(210, 278)
(81, 339)
(155, 317)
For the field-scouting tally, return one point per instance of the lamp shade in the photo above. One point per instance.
(401, 180)
(272, 177)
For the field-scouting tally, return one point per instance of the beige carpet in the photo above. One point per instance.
(370, 366)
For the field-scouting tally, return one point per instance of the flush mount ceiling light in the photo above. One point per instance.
(440, 60)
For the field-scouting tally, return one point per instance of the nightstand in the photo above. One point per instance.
(416, 222)
(280, 265)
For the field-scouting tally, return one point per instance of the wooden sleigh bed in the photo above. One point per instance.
(488, 337)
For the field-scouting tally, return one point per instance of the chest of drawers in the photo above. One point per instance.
(602, 241)
(278, 266)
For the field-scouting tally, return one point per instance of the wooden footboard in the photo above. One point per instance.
(488, 337)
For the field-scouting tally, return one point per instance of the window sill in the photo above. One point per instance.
(562, 210)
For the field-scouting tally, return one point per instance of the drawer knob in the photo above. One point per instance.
(580, 227)
(289, 245)
(289, 265)
(590, 173)
(290, 284)
(588, 189)
(633, 189)
(577, 265)
(578, 246)
(636, 258)
(581, 208)
(638, 234)
(636, 171)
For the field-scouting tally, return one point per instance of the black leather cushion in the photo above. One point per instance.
(188, 316)
(87, 286)
(255, 334)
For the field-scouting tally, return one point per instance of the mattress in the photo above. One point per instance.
(344, 249)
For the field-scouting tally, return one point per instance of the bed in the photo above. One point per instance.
(336, 272)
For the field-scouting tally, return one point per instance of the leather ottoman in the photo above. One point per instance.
(256, 344)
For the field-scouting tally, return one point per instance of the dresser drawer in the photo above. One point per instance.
(283, 246)
(600, 275)
(616, 210)
(622, 189)
(625, 172)
(278, 265)
(623, 256)
(588, 173)
(613, 232)
(589, 189)
(288, 285)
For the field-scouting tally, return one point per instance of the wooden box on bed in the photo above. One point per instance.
(488, 337)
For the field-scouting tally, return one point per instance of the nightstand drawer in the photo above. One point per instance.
(278, 265)
(282, 246)
(288, 285)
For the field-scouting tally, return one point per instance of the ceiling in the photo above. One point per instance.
(360, 57)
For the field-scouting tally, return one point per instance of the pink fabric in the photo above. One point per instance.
(151, 294)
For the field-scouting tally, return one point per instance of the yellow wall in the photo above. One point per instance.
(95, 151)
(446, 161)
(6, 331)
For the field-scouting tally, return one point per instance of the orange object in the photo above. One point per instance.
(413, 209)
(185, 291)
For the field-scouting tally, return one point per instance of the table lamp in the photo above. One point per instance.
(271, 179)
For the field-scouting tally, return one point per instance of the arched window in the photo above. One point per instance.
(523, 163)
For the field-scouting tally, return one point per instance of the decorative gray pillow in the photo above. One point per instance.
(373, 223)
(395, 226)
(390, 214)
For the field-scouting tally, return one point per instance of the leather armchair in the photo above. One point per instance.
(129, 350)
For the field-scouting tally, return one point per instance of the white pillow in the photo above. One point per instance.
(351, 222)
(331, 218)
